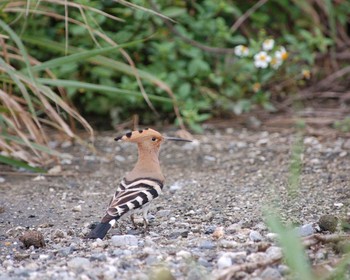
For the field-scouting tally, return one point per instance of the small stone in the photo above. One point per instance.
(328, 223)
(172, 219)
(78, 262)
(338, 204)
(176, 186)
(207, 245)
(98, 243)
(55, 170)
(77, 208)
(66, 251)
(224, 261)
(270, 273)
(119, 158)
(218, 233)
(39, 178)
(180, 232)
(164, 213)
(58, 234)
(2, 180)
(44, 257)
(306, 230)
(124, 240)
(21, 257)
(66, 144)
(183, 254)
(209, 229)
(98, 257)
(228, 243)
(274, 253)
(238, 257)
(271, 236)
(161, 273)
(255, 236)
(257, 257)
(209, 158)
(32, 238)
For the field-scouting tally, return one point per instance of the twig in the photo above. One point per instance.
(228, 273)
(331, 78)
(320, 238)
(246, 15)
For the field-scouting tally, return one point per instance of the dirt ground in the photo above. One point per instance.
(219, 184)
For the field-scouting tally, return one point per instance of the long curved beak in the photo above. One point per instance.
(177, 139)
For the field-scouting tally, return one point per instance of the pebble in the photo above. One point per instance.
(224, 261)
(119, 158)
(274, 253)
(77, 208)
(2, 180)
(328, 223)
(207, 245)
(78, 262)
(124, 240)
(98, 257)
(255, 236)
(183, 254)
(257, 257)
(270, 273)
(163, 213)
(305, 230)
(218, 233)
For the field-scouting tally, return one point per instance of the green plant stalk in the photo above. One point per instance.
(20, 164)
(292, 248)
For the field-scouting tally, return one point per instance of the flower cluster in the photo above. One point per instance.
(269, 55)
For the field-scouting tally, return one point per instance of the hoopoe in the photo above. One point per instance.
(140, 186)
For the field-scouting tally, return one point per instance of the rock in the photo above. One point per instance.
(77, 208)
(271, 236)
(270, 273)
(306, 230)
(39, 178)
(183, 254)
(161, 273)
(78, 262)
(58, 234)
(55, 170)
(274, 253)
(207, 245)
(257, 257)
(119, 158)
(98, 257)
(209, 229)
(21, 257)
(164, 213)
(255, 236)
(224, 261)
(124, 240)
(180, 232)
(176, 186)
(328, 223)
(2, 180)
(66, 251)
(228, 243)
(218, 233)
(32, 238)
(237, 257)
(338, 204)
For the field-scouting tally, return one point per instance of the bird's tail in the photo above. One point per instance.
(99, 231)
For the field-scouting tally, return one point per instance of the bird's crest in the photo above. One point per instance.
(134, 136)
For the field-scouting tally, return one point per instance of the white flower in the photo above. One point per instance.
(281, 54)
(241, 50)
(268, 44)
(276, 62)
(261, 60)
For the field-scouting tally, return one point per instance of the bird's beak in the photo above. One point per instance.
(177, 139)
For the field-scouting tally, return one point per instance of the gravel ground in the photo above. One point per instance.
(208, 221)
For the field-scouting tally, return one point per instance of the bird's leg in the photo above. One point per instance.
(132, 217)
(145, 220)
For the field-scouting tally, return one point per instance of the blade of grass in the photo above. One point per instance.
(100, 88)
(80, 56)
(20, 164)
(293, 250)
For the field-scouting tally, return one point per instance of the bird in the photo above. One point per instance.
(140, 186)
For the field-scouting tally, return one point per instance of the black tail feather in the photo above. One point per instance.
(99, 231)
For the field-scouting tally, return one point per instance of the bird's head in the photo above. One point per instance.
(147, 138)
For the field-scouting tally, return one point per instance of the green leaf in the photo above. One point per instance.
(80, 56)
(20, 164)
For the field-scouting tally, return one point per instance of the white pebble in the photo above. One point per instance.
(77, 208)
(124, 240)
(2, 180)
(224, 262)
(183, 254)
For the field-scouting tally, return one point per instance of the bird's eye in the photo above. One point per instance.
(154, 139)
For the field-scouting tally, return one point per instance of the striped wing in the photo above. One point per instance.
(133, 195)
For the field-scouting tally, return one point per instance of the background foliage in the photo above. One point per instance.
(72, 52)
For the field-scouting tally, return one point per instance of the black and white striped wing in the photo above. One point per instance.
(133, 195)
